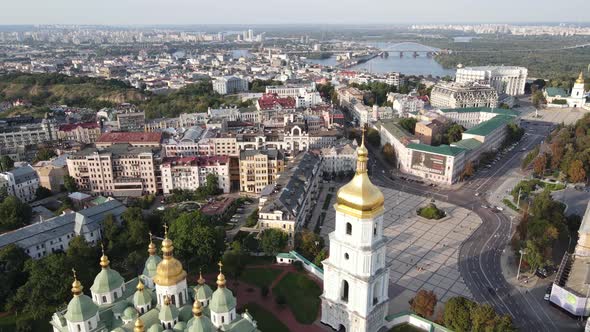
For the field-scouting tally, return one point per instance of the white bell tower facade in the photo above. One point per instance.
(356, 280)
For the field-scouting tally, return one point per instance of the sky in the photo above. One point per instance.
(153, 12)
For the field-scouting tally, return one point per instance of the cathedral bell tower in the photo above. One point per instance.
(356, 279)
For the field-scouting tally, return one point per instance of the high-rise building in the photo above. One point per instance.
(259, 168)
(356, 279)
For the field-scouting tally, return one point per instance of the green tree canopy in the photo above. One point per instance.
(273, 241)
(6, 163)
(195, 240)
(408, 124)
(14, 214)
(70, 184)
(12, 276)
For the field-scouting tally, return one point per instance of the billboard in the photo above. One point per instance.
(568, 300)
(427, 162)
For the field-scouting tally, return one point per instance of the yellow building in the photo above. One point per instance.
(259, 168)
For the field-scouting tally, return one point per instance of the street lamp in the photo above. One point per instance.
(521, 252)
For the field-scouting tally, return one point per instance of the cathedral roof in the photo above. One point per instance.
(580, 79)
(168, 312)
(81, 307)
(142, 296)
(107, 279)
(169, 271)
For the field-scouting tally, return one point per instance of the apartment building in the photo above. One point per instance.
(137, 139)
(51, 173)
(455, 95)
(117, 170)
(21, 182)
(259, 168)
(505, 79)
(83, 132)
(131, 120)
(230, 84)
(26, 130)
(191, 172)
(288, 204)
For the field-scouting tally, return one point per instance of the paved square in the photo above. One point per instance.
(422, 254)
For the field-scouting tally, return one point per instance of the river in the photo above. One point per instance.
(405, 64)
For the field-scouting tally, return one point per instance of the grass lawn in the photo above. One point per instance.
(302, 294)
(509, 204)
(405, 328)
(259, 276)
(266, 320)
(259, 260)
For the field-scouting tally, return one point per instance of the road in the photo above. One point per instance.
(480, 255)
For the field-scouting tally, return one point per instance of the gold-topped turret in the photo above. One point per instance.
(166, 300)
(151, 246)
(138, 326)
(76, 285)
(140, 286)
(580, 79)
(201, 280)
(220, 277)
(197, 308)
(360, 197)
(104, 260)
(169, 271)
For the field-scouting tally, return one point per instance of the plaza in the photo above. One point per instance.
(421, 253)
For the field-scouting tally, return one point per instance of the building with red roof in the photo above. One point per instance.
(137, 139)
(271, 101)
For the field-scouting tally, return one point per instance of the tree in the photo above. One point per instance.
(6, 163)
(408, 124)
(389, 153)
(12, 261)
(252, 219)
(195, 240)
(234, 260)
(373, 137)
(423, 303)
(45, 289)
(14, 214)
(453, 133)
(44, 154)
(70, 184)
(457, 314)
(538, 99)
(309, 244)
(211, 185)
(483, 318)
(272, 241)
(533, 256)
(321, 256)
(540, 164)
(42, 192)
(137, 228)
(576, 172)
(468, 170)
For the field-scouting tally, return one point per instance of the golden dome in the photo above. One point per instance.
(220, 277)
(138, 325)
(197, 308)
(360, 197)
(580, 78)
(140, 287)
(169, 271)
(104, 260)
(151, 246)
(76, 285)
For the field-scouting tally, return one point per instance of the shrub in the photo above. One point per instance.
(280, 300)
(298, 265)
(431, 212)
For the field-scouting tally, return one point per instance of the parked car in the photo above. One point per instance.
(541, 273)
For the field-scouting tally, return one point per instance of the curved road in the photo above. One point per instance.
(480, 254)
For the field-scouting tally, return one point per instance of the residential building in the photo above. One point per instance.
(137, 139)
(259, 168)
(288, 204)
(191, 172)
(455, 95)
(508, 80)
(404, 104)
(26, 130)
(429, 131)
(84, 132)
(339, 158)
(230, 84)
(349, 95)
(131, 120)
(51, 173)
(162, 124)
(54, 235)
(117, 170)
(21, 182)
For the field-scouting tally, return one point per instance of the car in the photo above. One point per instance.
(499, 208)
(541, 273)
(161, 208)
(477, 194)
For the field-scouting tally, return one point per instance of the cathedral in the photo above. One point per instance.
(156, 301)
(356, 279)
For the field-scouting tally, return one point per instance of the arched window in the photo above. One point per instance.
(375, 230)
(222, 319)
(346, 255)
(104, 299)
(173, 299)
(348, 228)
(179, 299)
(376, 291)
(344, 292)
(141, 310)
(79, 328)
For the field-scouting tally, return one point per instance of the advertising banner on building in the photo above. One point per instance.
(568, 300)
(427, 162)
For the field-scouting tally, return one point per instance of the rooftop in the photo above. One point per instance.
(130, 137)
(501, 111)
(487, 127)
(441, 149)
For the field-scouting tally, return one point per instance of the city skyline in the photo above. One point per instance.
(184, 12)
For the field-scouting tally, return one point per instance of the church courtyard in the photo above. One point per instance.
(421, 253)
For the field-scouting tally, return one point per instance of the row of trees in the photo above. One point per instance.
(568, 153)
(461, 314)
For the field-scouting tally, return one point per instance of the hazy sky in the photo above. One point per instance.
(289, 11)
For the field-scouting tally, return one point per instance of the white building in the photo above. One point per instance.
(340, 158)
(52, 235)
(356, 279)
(505, 79)
(404, 104)
(191, 172)
(229, 84)
(305, 95)
(455, 95)
(21, 182)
